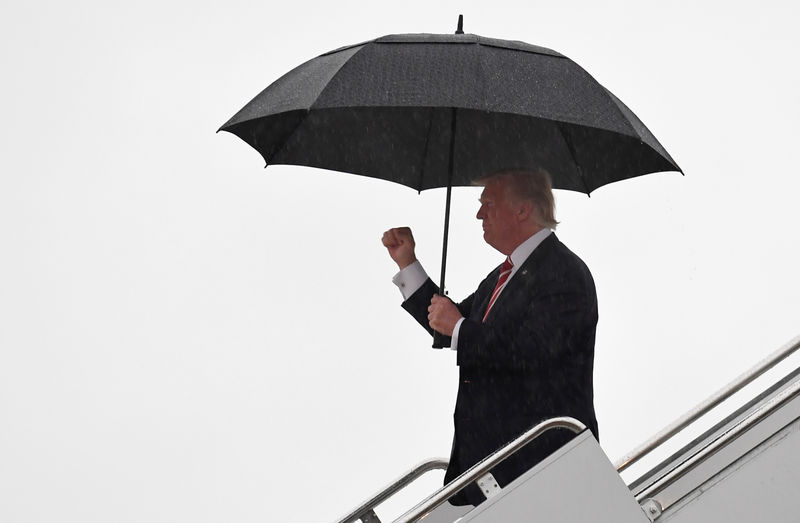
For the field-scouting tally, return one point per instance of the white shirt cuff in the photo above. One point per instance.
(410, 279)
(454, 337)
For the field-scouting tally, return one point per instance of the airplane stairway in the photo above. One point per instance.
(745, 468)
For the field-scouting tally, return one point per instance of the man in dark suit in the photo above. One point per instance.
(524, 338)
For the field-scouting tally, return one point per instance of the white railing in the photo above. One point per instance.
(715, 399)
(366, 511)
(482, 468)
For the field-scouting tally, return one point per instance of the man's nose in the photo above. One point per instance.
(480, 213)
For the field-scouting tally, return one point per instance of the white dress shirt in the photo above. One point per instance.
(411, 278)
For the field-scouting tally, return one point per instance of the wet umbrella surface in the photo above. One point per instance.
(431, 110)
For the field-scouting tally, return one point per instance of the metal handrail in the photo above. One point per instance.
(366, 508)
(478, 470)
(715, 399)
(747, 423)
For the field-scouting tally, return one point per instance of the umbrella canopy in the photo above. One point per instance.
(428, 110)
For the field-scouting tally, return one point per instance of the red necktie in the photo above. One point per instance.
(505, 272)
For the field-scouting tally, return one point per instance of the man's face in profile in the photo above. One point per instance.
(498, 216)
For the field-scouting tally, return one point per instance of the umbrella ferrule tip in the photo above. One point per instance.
(460, 28)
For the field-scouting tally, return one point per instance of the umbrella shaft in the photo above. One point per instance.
(450, 168)
(439, 339)
(444, 241)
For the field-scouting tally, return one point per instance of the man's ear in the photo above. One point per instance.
(524, 211)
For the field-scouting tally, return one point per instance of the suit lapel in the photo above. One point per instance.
(484, 293)
(518, 285)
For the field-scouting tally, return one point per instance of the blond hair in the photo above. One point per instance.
(533, 186)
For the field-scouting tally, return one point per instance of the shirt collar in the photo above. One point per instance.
(527, 247)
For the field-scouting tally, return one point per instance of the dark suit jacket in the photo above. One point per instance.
(531, 360)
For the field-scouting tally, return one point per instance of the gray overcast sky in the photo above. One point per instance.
(187, 336)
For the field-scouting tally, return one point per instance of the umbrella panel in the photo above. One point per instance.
(411, 146)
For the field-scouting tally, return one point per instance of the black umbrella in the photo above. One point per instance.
(430, 110)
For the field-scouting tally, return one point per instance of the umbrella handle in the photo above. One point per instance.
(440, 340)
